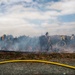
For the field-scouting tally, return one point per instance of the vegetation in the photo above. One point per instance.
(43, 56)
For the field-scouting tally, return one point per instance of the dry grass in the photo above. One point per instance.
(44, 56)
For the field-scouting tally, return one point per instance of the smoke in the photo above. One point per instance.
(22, 43)
(32, 44)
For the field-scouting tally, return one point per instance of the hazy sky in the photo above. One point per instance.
(35, 17)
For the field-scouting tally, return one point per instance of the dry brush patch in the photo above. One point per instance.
(44, 56)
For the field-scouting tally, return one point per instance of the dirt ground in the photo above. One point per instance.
(36, 68)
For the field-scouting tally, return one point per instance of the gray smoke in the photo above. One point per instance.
(32, 44)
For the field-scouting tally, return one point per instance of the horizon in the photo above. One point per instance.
(34, 36)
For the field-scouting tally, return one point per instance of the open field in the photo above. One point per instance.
(37, 68)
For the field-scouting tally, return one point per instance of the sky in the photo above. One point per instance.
(36, 17)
